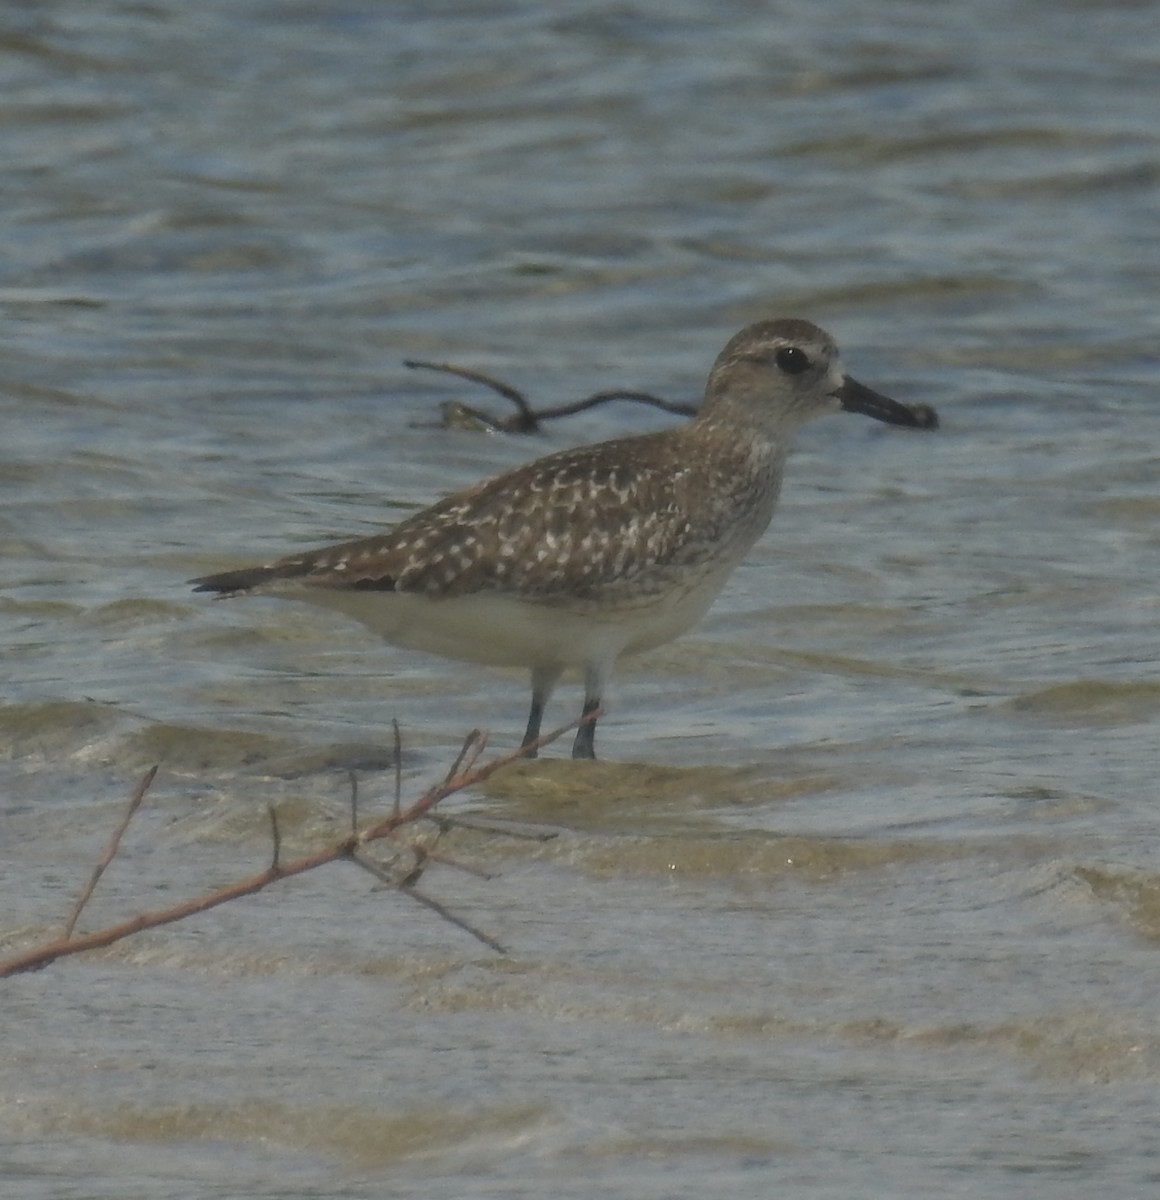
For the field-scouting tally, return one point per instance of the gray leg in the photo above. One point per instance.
(544, 680)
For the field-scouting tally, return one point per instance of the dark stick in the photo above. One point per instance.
(398, 766)
(405, 887)
(447, 915)
(567, 410)
(276, 836)
(527, 419)
(497, 385)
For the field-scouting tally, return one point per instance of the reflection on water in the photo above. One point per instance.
(865, 888)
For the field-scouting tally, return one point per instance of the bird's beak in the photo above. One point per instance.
(857, 397)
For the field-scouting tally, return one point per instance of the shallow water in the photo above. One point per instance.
(862, 899)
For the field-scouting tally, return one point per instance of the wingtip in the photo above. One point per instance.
(228, 583)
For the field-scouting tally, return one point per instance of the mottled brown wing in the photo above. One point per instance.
(577, 522)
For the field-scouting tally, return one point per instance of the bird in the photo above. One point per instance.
(590, 554)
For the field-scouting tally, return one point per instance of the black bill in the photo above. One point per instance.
(856, 397)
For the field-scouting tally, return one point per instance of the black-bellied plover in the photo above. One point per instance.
(586, 555)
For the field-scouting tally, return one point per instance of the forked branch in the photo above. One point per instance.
(465, 772)
(527, 419)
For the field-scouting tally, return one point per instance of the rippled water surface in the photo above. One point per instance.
(862, 899)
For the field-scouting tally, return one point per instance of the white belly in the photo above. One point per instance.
(509, 631)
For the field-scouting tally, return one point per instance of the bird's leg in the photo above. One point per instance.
(544, 680)
(585, 744)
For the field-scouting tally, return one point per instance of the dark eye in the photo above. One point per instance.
(792, 360)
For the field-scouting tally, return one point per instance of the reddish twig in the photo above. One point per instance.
(110, 852)
(471, 749)
(465, 773)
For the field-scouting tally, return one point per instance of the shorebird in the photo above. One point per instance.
(589, 554)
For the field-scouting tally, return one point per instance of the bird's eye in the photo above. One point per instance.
(792, 360)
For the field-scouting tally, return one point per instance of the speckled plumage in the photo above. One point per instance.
(590, 553)
(592, 523)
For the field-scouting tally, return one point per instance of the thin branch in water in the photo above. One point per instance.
(448, 915)
(597, 398)
(428, 853)
(353, 803)
(474, 739)
(110, 851)
(478, 744)
(443, 911)
(497, 385)
(526, 419)
(398, 767)
(446, 860)
(495, 826)
(402, 886)
(466, 773)
(276, 837)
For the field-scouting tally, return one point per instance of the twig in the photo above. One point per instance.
(406, 887)
(473, 738)
(446, 860)
(465, 773)
(502, 828)
(448, 915)
(398, 766)
(497, 385)
(110, 851)
(527, 419)
(276, 836)
(568, 410)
